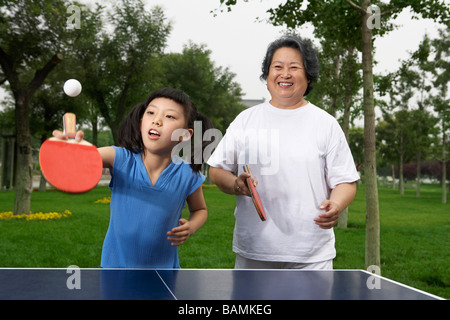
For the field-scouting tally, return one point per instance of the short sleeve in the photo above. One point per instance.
(120, 156)
(340, 166)
(196, 181)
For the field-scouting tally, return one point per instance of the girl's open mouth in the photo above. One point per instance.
(153, 134)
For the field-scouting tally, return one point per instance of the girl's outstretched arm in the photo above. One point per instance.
(107, 154)
(197, 218)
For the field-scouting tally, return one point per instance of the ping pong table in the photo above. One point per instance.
(200, 284)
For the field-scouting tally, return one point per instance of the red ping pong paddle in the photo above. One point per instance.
(70, 166)
(255, 195)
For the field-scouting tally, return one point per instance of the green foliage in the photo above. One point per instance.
(356, 144)
(117, 55)
(211, 88)
(409, 127)
(117, 64)
(31, 31)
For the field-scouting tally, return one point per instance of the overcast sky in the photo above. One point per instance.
(239, 42)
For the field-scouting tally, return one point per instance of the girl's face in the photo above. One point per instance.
(287, 81)
(161, 118)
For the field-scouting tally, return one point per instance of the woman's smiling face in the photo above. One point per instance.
(287, 80)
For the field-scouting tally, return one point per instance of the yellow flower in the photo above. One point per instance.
(8, 215)
(104, 200)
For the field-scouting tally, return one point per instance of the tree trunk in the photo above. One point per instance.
(42, 180)
(393, 176)
(24, 163)
(343, 217)
(372, 254)
(334, 98)
(346, 124)
(22, 96)
(418, 173)
(94, 123)
(401, 181)
(42, 183)
(444, 165)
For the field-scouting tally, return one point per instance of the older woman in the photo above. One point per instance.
(299, 155)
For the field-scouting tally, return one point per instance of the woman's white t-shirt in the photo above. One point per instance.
(297, 156)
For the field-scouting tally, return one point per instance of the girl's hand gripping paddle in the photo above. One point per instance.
(255, 195)
(70, 166)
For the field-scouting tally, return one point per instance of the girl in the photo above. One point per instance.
(149, 188)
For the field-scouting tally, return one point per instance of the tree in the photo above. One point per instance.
(397, 137)
(400, 135)
(119, 62)
(212, 88)
(417, 81)
(33, 38)
(420, 57)
(424, 76)
(339, 83)
(441, 101)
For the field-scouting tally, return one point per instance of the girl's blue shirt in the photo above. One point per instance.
(142, 214)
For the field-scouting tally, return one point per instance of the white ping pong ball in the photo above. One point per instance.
(72, 87)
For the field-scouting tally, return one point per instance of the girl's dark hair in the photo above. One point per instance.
(307, 51)
(129, 134)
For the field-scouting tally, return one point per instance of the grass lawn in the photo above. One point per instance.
(414, 235)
